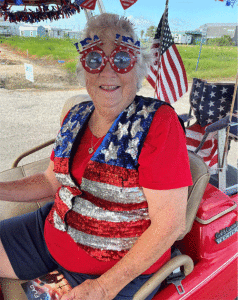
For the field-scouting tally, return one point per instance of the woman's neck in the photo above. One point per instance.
(100, 123)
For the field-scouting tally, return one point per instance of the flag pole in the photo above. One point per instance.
(160, 43)
(230, 117)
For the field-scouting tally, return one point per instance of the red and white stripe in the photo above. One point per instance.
(89, 4)
(170, 81)
(127, 3)
(208, 152)
(107, 215)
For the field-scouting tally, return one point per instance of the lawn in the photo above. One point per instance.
(215, 62)
(48, 48)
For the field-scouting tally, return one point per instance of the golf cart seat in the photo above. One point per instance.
(12, 289)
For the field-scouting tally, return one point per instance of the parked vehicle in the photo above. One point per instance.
(180, 38)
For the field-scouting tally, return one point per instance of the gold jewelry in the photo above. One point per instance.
(91, 149)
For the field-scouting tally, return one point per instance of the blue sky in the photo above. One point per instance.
(183, 14)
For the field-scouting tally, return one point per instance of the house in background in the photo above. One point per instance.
(25, 30)
(196, 36)
(60, 33)
(217, 30)
(7, 28)
(28, 31)
(53, 32)
(181, 37)
(43, 31)
(72, 34)
(34, 31)
(57, 33)
(235, 38)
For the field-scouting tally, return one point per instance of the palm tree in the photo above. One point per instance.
(142, 33)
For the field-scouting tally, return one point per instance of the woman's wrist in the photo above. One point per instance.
(105, 292)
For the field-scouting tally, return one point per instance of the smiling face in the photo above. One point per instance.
(109, 89)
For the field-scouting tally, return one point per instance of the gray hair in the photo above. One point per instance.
(106, 26)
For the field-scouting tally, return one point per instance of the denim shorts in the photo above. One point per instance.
(24, 243)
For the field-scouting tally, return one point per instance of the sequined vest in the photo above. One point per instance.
(107, 213)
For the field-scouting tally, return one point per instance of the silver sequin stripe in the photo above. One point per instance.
(59, 224)
(113, 193)
(66, 196)
(65, 179)
(88, 209)
(103, 243)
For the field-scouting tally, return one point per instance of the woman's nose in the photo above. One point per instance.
(108, 70)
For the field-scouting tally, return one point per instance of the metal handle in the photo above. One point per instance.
(163, 273)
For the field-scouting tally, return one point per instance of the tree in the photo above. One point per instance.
(142, 33)
(225, 40)
(150, 32)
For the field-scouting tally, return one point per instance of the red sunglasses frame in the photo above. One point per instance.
(109, 59)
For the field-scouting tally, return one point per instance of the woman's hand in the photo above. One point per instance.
(90, 289)
(37, 187)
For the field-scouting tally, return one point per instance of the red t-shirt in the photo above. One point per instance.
(163, 165)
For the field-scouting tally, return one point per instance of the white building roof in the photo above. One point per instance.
(32, 28)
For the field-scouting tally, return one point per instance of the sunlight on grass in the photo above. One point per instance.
(215, 62)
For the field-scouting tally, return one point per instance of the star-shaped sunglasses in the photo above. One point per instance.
(122, 59)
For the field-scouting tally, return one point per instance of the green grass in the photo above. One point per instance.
(58, 49)
(215, 62)
(48, 48)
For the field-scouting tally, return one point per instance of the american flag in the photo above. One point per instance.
(167, 74)
(234, 120)
(210, 103)
(208, 152)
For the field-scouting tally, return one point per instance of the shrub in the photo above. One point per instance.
(225, 40)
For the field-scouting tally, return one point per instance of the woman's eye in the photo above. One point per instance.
(122, 60)
(93, 60)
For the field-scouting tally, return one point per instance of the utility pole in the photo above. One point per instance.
(88, 12)
(203, 41)
(101, 6)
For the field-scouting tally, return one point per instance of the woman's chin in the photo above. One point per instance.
(110, 96)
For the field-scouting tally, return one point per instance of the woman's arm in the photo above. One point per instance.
(37, 187)
(167, 210)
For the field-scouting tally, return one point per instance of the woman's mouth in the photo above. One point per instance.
(109, 87)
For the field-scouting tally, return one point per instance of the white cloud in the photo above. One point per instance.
(180, 24)
(141, 22)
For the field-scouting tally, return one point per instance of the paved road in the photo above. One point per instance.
(28, 118)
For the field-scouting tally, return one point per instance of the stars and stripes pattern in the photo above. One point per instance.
(167, 74)
(107, 214)
(233, 133)
(208, 152)
(210, 103)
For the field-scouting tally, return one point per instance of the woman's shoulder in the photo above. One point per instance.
(71, 103)
(164, 111)
(166, 120)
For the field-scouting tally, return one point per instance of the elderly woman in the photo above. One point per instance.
(119, 172)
